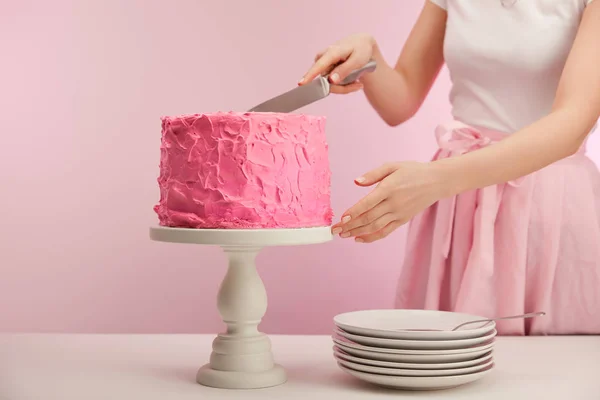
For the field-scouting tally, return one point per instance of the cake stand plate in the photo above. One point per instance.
(242, 356)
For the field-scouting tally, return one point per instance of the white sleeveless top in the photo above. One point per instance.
(505, 61)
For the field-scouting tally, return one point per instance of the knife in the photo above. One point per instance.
(304, 95)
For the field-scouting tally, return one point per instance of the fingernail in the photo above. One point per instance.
(301, 80)
(336, 231)
(335, 78)
(359, 240)
(360, 179)
(345, 235)
(346, 219)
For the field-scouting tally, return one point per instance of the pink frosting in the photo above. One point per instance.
(244, 170)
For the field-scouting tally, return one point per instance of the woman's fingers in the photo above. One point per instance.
(365, 204)
(320, 54)
(340, 59)
(371, 227)
(377, 174)
(353, 87)
(323, 65)
(368, 217)
(356, 60)
(379, 208)
(380, 234)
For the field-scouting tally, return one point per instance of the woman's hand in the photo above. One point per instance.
(404, 189)
(340, 59)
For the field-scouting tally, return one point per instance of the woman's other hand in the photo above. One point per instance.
(403, 190)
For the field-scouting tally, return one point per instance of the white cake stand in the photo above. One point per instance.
(242, 357)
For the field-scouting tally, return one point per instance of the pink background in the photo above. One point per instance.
(83, 84)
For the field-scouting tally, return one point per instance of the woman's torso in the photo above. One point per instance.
(505, 61)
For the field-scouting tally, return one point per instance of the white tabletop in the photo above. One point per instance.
(163, 367)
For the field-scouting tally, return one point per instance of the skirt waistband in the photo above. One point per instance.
(458, 138)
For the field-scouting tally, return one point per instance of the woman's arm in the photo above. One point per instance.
(396, 93)
(552, 138)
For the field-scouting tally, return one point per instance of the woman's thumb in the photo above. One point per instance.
(341, 72)
(376, 175)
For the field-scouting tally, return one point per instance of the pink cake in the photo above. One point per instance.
(244, 170)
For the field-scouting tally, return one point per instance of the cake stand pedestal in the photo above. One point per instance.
(242, 357)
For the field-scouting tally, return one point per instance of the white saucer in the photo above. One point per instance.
(388, 364)
(416, 344)
(418, 383)
(406, 324)
(413, 356)
(412, 372)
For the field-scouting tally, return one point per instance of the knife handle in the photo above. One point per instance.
(357, 73)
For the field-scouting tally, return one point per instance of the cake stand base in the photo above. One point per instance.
(242, 356)
(241, 380)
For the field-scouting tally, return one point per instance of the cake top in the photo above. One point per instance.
(243, 115)
(231, 127)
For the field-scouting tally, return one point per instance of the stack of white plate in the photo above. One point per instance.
(413, 349)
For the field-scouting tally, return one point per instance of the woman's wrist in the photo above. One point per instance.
(449, 177)
(377, 56)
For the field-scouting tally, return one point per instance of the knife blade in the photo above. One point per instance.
(296, 98)
(304, 95)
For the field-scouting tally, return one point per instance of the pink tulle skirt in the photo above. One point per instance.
(528, 245)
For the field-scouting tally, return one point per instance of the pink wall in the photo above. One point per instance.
(83, 85)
